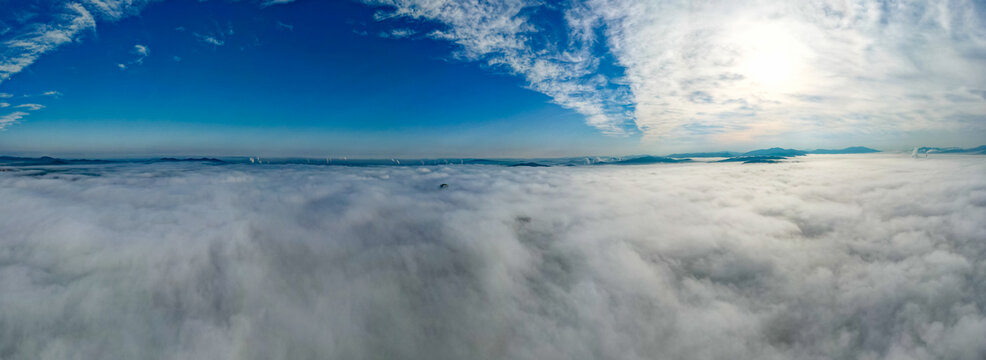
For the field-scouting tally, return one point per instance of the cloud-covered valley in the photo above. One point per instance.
(833, 256)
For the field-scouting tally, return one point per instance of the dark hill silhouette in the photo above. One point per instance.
(755, 159)
(210, 160)
(642, 160)
(848, 150)
(725, 154)
(775, 152)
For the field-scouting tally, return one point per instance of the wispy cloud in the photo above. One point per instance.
(142, 51)
(52, 93)
(31, 107)
(754, 68)
(501, 34)
(398, 33)
(4, 104)
(6, 95)
(210, 39)
(284, 26)
(275, 2)
(10, 119)
(43, 27)
(40, 38)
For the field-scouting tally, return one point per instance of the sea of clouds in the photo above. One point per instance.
(846, 257)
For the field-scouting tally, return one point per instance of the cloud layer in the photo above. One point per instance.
(862, 256)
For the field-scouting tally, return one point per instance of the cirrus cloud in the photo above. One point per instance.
(747, 68)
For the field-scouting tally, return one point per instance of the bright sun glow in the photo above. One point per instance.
(771, 68)
(772, 57)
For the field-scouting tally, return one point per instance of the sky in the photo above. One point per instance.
(507, 78)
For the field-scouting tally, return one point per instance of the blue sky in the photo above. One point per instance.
(383, 78)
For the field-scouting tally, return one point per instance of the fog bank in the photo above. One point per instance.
(828, 256)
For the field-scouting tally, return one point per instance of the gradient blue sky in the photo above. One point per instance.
(384, 78)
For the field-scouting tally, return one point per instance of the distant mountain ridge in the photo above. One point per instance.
(764, 159)
(647, 159)
(46, 160)
(848, 150)
(211, 160)
(725, 154)
(775, 151)
(980, 150)
(770, 155)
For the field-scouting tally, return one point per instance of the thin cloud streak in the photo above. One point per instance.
(31, 107)
(10, 119)
(40, 38)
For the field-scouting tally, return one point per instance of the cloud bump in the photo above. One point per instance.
(862, 256)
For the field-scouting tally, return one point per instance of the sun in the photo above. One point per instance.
(771, 68)
(772, 57)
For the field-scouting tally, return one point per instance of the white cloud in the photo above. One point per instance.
(3, 104)
(115, 9)
(498, 33)
(828, 66)
(142, 51)
(31, 107)
(751, 68)
(39, 38)
(284, 26)
(210, 39)
(11, 118)
(399, 33)
(52, 93)
(706, 261)
(6, 95)
(275, 2)
(40, 31)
